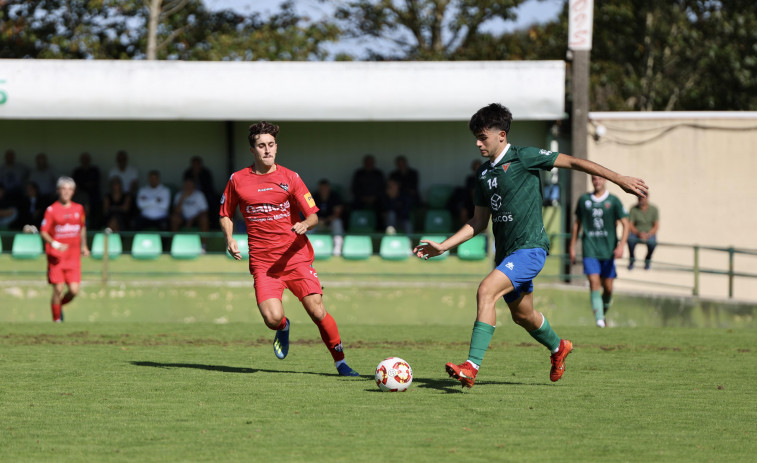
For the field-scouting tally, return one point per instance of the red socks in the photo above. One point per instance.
(56, 312)
(68, 297)
(330, 336)
(282, 325)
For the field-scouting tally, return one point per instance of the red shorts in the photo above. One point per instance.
(62, 273)
(301, 281)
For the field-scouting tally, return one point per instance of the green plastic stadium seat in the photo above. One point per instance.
(357, 247)
(438, 221)
(362, 221)
(115, 246)
(438, 239)
(146, 246)
(244, 248)
(473, 249)
(395, 247)
(186, 246)
(323, 246)
(438, 195)
(26, 246)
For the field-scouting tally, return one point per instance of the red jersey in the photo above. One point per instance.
(65, 224)
(270, 204)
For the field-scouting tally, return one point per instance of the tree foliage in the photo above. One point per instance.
(659, 56)
(647, 54)
(68, 29)
(423, 29)
(117, 29)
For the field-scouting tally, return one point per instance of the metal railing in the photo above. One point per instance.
(695, 268)
(215, 246)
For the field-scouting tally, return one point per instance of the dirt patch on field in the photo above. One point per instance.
(85, 338)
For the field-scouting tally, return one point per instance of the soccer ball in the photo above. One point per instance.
(394, 375)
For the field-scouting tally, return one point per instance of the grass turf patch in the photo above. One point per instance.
(203, 392)
(175, 365)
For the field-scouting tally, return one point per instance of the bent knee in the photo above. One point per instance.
(487, 293)
(272, 322)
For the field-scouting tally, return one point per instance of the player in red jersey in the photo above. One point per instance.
(273, 200)
(65, 236)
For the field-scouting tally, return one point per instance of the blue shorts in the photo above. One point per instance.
(521, 267)
(605, 268)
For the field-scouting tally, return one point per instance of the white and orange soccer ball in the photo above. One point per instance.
(394, 375)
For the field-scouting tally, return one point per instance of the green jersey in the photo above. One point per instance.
(511, 189)
(598, 218)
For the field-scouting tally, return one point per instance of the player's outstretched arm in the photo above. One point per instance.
(632, 185)
(473, 227)
(227, 227)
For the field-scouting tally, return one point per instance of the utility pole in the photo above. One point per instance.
(580, 19)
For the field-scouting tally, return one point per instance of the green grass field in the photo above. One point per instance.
(163, 366)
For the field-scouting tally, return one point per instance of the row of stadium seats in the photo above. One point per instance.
(391, 247)
(435, 221)
(144, 246)
(188, 246)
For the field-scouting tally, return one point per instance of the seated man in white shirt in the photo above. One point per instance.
(190, 208)
(153, 202)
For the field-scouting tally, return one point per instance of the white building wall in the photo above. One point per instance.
(701, 171)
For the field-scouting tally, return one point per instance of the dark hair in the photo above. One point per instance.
(494, 116)
(261, 128)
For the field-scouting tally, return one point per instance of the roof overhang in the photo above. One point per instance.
(313, 91)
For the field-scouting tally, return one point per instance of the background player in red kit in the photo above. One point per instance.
(65, 237)
(273, 200)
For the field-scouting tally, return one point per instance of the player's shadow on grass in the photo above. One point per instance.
(197, 366)
(451, 386)
(228, 369)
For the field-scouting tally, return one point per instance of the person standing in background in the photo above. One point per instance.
(65, 235)
(599, 213)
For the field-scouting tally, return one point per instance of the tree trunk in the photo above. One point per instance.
(152, 28)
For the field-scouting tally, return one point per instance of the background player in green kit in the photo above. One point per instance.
(508, 190)
(599, 214)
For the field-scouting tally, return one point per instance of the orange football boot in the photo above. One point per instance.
(465, 373)
(558, 359)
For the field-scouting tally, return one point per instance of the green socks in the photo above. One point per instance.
(546, 335)
(483, 332)
(596, 305)
(479, 342)
(606, 302)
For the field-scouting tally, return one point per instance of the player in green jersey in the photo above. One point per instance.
(508, 190)
(599, 213)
